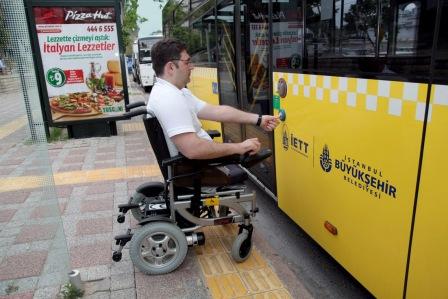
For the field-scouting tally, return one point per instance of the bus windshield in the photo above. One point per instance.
(144, 48)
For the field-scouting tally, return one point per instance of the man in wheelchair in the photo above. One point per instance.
(190, 160)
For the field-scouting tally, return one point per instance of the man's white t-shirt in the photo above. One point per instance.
(176, 110)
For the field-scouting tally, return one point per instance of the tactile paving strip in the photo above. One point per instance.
(226, 279)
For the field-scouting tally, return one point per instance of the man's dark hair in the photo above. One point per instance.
(165, 50)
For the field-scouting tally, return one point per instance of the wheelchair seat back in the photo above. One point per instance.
(224, 175)
(158, 143)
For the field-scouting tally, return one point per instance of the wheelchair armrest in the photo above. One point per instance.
(245, 160)
(135, 104)
(175, 159)
(249, 161)
(213, 133)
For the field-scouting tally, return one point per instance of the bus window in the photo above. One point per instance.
(338, 33)
(287, 34)
(360, 36)
(441, 57)
(406, 36)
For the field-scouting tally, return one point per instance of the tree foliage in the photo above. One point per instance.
(4, 36)
(172, 17)
(130, 23)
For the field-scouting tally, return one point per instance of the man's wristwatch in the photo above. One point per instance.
(259, 120)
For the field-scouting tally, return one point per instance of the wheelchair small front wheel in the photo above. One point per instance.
(158, 248)
(241, 247)
(140, 199)
(138, 213)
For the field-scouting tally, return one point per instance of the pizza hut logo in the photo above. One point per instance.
(74, 15)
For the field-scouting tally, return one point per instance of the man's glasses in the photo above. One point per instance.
(187, 61)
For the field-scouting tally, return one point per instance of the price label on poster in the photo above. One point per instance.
(80, 57)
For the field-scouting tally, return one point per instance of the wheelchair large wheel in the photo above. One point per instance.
(241, 247)
(138, 198)
(158, 248)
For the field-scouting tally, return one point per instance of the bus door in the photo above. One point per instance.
(254, 33)
(227, 68)
(244, 74)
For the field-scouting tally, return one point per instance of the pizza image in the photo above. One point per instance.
(84, 102)
(75, 103)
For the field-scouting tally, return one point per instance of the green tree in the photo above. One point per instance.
(173, 17)
(4, 36)
(362, 19)
(130, 23)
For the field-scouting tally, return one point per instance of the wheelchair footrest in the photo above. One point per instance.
(123, 239)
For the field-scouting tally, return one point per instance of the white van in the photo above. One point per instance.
(143, 72)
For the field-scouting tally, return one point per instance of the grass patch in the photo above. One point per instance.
(69, 291)
(57, 134)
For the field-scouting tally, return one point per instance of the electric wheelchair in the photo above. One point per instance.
(193, 195)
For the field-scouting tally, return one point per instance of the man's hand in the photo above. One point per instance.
(269, 122)
(251, 146)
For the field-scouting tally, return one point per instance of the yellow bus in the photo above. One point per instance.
(360, 155)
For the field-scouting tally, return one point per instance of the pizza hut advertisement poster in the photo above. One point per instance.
(80, 57)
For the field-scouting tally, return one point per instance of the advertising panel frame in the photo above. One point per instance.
(42, 85)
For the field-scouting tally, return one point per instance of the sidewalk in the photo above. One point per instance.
(92, 177)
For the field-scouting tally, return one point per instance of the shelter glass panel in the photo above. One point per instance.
(33, 253)
(203, 39)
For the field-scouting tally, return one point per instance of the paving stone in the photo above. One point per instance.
(100, 295)
(122, 281)
(32, 233)
(57, 262)
(45, 211)
(13, 197)
(9, 232)
(64, 191)
(94, 226)
(94, 273)
(14, 162)
(122, 267)
(70, 167)
(101, 285)
(96, 205)
(79, 151)
(22, 285)
(6, 241)
(91, 255)
(123, 294)
(27, 295)
(6, 215)
(105, 157)
(62, 207)
(19, 249)
(100, 188)
(23, 265)
(53, 279)
(105, 164)
(47, 293)
(70, 159)
(6, 170)
(185, 282)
